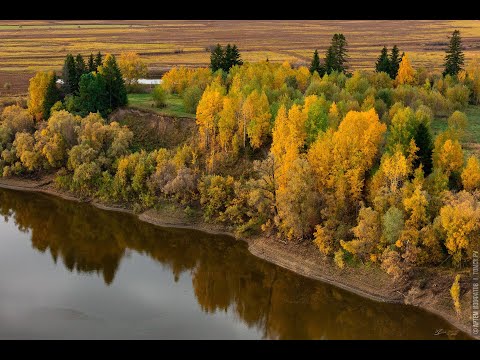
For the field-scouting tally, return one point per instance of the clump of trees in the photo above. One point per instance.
(348, 162)
(225, 58)
(189, 83)
(74, 68)
(389, 64)
(98, 86)
(336, 57)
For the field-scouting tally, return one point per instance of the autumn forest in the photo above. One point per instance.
(369, 166)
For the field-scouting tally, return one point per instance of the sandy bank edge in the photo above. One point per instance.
(273, 252)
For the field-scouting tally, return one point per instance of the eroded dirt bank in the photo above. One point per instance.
(426, 288)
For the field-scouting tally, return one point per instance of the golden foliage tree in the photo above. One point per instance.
(349, 151)
(367, 234)
(338, 258)
(288, 137)
(256, 111)
(178, 79)
(416, 208)
(471, 174)
(415, 203)
(448, 155)
(458, 122)
(333, 116)
(406, 73)
(340, 160)
(455, 293)
(396, 168)
(280, 135)
(228, 121)
(302, 75)
(41, 94)
(297, 201)
(208, 111)
(460, 220)
(473, 75)
(132, 67)
(296, 197)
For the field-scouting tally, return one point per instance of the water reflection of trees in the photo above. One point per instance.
(225, 276)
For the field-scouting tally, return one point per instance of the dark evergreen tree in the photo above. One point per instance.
(235, 58)
(315, 65)
(395, 60)
(227, 58)
(337, 54)
(383, 62)
(216, 58)
(423, 140)
(92, 95)
(52, 95)
(69, 76)
(91, 64)
(341, 53)
(98, 60)
(114, 83)
(329, 63)
(80, 69)
(454, 59)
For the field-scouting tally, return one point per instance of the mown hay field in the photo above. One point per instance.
(28, 46)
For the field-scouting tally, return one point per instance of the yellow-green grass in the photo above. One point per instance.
(471, 137)
(174, 105)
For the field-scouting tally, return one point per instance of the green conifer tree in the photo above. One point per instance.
(383, 62)
(80, 69)
(91, 64)
(93, 95)
(52, 95)
(315, 65)
(454, 58)
(114, 83)
(98, 60)
(329, 63)
(236, 58)
(337, 54)
(216, 58)
(69, 77)
(395, 60)
(423, 140)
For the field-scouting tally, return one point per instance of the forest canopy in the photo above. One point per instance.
(347, 161)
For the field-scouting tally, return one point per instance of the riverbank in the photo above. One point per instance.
(426, 288)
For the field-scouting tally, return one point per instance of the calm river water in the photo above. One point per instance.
(69, 270)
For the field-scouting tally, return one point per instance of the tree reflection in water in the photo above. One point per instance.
(225, 276)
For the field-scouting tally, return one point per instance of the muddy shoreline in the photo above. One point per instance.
(303, 259)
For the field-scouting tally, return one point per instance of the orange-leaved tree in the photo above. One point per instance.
(406, 73)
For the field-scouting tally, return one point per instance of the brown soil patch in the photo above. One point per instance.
(152, 130)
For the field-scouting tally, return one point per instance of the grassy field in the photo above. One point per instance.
(174, 105)
(28, 46)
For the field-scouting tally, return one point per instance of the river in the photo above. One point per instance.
(71, 271)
